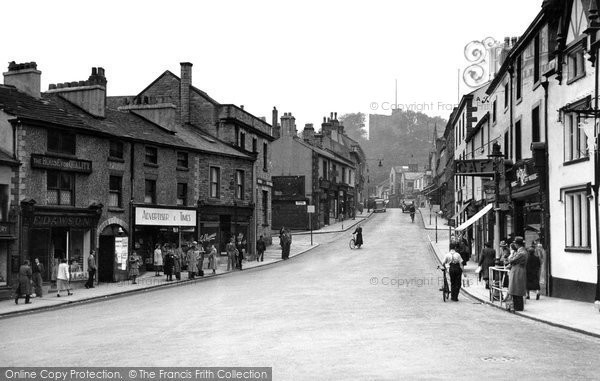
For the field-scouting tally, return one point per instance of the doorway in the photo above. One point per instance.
(106, 258)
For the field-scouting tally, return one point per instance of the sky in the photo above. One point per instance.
(308, 57)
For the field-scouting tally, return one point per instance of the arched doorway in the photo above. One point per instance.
(106, 252)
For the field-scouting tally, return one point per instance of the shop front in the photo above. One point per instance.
(525, 195)
(7, 241)
(53, 234)
(160, 225)
(218, 223)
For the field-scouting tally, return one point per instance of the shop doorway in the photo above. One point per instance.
(106, 258)
(225, 228)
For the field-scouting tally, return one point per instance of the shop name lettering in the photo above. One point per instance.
(62, 221)
(156, 216)
(57, 163)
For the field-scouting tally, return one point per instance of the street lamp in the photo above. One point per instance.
(497, 157)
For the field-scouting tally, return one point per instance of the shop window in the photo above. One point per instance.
(116, 149)
(182, 194)
(575, 146)
(239, 185)
(115, 185)
(61, 142)
(577, 220)
(576, 64)
(4, 202)
(150, 192)
(60, 188)
(215, 182)
(265, 207)
(151, 155)
(265, 157)
(182, 160)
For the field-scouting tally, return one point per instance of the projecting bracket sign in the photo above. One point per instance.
(474, 168)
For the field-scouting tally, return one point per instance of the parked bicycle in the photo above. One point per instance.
(445, 288)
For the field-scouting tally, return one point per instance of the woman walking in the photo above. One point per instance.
(359, 238)
(517, 276)
(487, 260)
(24, 286)
(158, 260)
(533, 272)
(456, 269)
(37, 269)
(134, 266)
(62, 278)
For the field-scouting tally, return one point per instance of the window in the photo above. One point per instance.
(576, 63)
(344, 175)
(506, 145)
(494, 111)
(265, 207)
(150, 192)
(61, 142)
(60, 188)
(325, 170)
(182, 193)
(116, 149)
(182, 160)
(334, 174)
(243, 140)
(151, 155)
(518, 153)
(506, 95)
(254, 145)
(239, 185)
(577, 220)
(4, 202)
(115, 187)
(535, 124)
(519, 73)
(536, 59)
(265, 157)
(215, 182)
(575, 139)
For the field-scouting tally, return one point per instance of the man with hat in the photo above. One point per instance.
(517, 277)
(193, 255)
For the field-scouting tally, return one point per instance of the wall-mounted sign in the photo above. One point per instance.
(300, 202)
(121, 251)
(61, 164)
(475, 167)
(71, 221)
(310, 209)
(165, 217)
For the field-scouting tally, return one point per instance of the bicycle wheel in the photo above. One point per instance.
(352, 244)
(445, 289)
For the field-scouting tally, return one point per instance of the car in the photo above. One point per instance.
(406, 206)
(379, 205)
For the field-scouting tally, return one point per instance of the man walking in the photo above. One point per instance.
(231, 254)
(260, 249)
(91, 269)
(37, 270)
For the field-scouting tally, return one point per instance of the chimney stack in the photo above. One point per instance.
(184, 93)
(25, 77)
(308, 134)
(90, 95)
(288, 125)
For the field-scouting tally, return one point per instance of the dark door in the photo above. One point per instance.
(224, 230)
(106, 258)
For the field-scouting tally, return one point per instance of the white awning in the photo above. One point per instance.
(477, 216)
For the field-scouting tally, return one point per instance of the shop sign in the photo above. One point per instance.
(165, 217)
(61, 164)
(121, 251)
(475, 168)
(525, 174)
(71, 221)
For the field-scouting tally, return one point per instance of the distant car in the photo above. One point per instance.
(379, 206)
(406, 206)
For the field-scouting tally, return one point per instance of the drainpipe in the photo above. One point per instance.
(596, 177)
(131, 197)
(545, 197)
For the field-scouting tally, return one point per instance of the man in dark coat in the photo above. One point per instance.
(260, 249)
(487, 260)
(91, 269)
(24, 285)
(37, 269)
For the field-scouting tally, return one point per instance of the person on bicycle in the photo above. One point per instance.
(456, 269)
(411, 209)
(358, 241)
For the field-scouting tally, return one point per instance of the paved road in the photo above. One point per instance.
(315, 317)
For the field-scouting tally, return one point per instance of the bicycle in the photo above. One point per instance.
(353, 244)
(445, 289)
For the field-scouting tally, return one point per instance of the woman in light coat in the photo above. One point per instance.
(517, 276)
(212, 255)
(62, 278)
(192, 260)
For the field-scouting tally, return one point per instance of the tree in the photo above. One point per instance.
(354, 126)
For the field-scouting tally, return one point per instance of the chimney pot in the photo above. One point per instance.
(52, 86)
(101, 71)
(94, 71)
(335, 115)
(242, 107)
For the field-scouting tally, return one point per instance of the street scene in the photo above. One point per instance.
(300, 191)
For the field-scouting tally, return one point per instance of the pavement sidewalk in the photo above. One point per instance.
(340, 226)
(564, 313)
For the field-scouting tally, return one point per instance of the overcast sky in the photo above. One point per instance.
(305, 57)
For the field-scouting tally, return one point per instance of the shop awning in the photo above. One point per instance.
(461, 210)
(477, 216)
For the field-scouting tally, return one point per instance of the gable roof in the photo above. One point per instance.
(195, 89)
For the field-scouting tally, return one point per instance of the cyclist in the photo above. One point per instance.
(359, 240)
(411, 209)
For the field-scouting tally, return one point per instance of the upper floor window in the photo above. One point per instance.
(115, 188)
(60, 188)
(325, 173)
(265, 157)
(343, 175)
(506, 95)
(182, 160)
(116, 149)
(150, 192)
(182, 190)
(254, 145)
(519, 73)
(215, 182)
(4, 202)
(61, 142)
(518, 148)
(494, 111)
(151, 155)
(239, 185)
(575, 139)
(577, 220)
(535, 124)
(536, 59)
(243, 140)
(576, 63)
